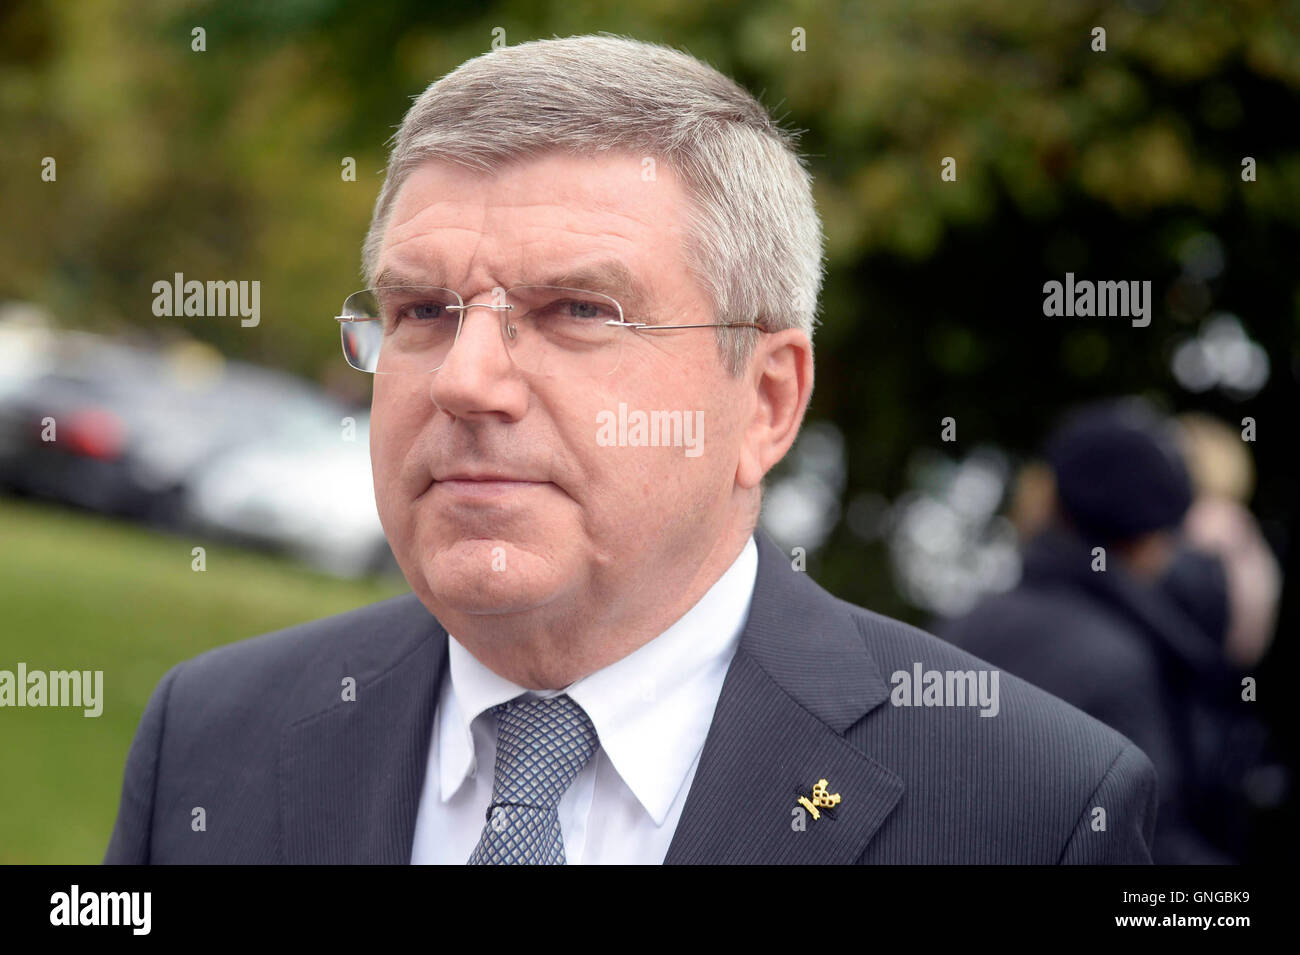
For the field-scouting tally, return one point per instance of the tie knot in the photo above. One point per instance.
(542, 745)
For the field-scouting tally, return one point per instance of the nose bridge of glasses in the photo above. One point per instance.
(469, 305)
(504, 332)
(499, 303)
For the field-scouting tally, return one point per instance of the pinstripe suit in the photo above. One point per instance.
(256, 734)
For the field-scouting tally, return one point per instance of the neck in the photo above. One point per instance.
(553, 646)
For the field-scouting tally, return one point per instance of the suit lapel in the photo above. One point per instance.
(800, 678)
(351, 776)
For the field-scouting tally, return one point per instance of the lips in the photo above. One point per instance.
(485, 476)
(480, 489)
(479, 484)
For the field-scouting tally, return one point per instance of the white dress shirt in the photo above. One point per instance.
(652, 710)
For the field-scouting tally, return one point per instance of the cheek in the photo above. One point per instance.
(642, 479)
(395, 423)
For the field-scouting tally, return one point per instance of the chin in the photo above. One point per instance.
(478, 599)
(486, 576)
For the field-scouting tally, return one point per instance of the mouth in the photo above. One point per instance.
(483, 485)
(500, 476)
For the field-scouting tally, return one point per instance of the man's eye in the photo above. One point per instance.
(422, 311)
(578, 309)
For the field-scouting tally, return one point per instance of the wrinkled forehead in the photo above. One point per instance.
(536, 220)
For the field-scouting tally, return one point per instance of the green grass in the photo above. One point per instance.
(87, 593)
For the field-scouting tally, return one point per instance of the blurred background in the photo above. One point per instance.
(129, 155)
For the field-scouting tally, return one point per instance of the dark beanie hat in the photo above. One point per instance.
(1118, 471)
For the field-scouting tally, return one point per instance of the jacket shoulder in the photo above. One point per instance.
(1017, 765)
(1056, 635)
(299, 666)
(898, 648)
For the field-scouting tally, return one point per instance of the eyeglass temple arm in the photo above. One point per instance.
(642, 325)
(616, 324)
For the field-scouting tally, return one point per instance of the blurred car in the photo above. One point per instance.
(59, 435)
(310, 492)
(182, 437)
(123, 429)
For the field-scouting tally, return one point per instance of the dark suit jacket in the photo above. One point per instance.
(257, 735)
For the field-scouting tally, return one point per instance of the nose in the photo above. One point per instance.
(478, 377)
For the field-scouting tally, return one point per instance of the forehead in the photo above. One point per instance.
(535, 217)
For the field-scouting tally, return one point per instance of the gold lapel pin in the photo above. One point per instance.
(820, 798)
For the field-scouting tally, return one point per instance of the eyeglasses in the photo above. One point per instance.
(548, 330)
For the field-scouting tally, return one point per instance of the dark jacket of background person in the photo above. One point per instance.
(1238, 769)
(1132, 656)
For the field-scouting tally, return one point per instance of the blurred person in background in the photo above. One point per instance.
(1226, 577)
(1135, 607)
(1219, 523)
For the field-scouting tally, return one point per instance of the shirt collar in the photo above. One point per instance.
(651, 709)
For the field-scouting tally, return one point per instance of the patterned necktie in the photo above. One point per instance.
(542, 745)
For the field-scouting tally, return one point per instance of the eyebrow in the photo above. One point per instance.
(391, 276)
(610, 276)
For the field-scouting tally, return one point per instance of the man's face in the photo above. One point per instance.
(573, 526)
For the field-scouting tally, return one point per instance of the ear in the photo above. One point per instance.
(781, 375)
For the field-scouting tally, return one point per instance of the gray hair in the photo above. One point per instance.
(754, 240)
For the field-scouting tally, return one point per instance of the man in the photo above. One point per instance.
(600, 661)
(1114, 615)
